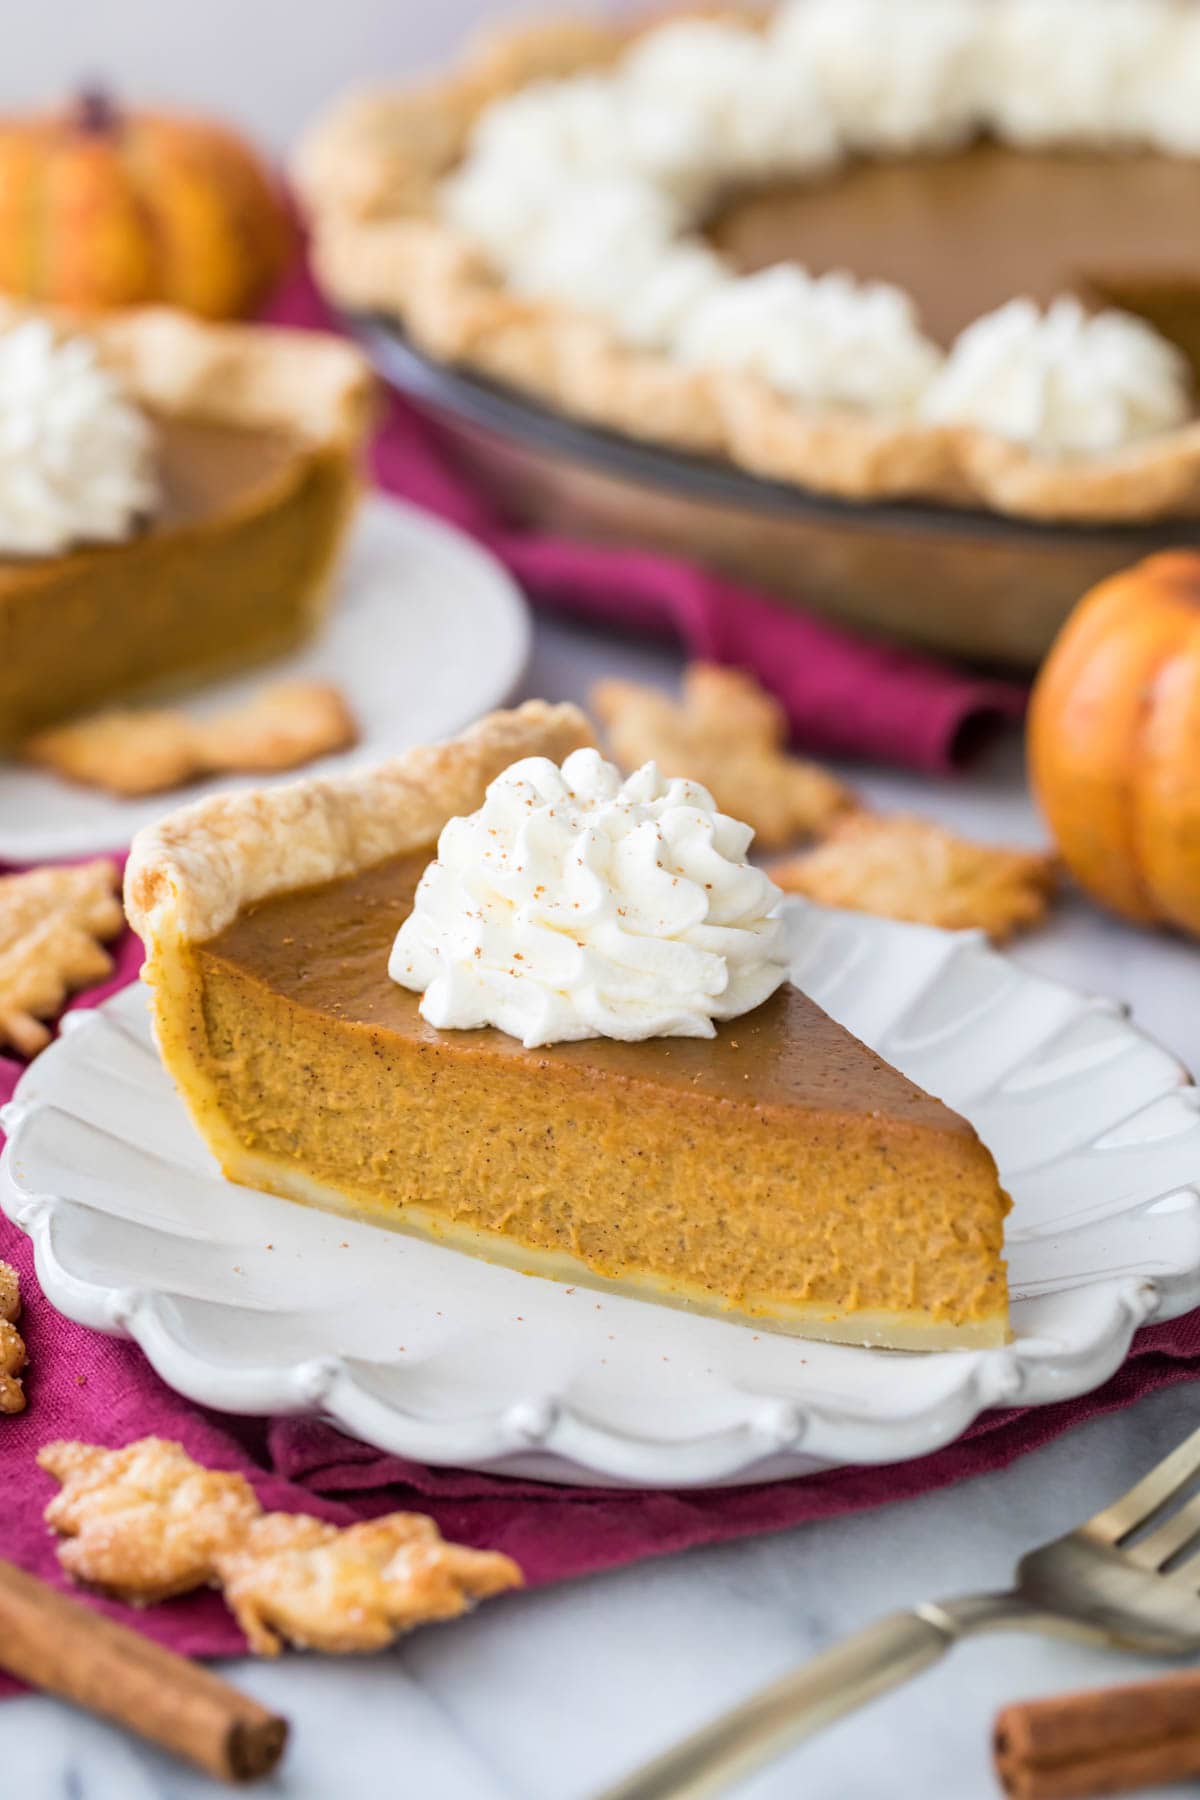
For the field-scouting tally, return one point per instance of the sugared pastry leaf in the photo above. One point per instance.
(12, 1345)
(729, 734)
(53, 925)
(10, 1293)
(147, 1522)
(906, 868)
(300, 1580)
(144, 1522)
(131, 753)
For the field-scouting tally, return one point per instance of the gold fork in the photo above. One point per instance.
(1104, 1583)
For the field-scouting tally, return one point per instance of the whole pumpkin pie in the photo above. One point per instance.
(220, 545)
(932, 251)
(775, 1171)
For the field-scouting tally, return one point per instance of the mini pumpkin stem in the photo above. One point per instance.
(96, 111)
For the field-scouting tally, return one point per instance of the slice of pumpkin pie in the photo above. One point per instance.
(173, 499)
(514, 1004)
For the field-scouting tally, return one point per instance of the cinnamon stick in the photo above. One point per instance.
(1113, 1741)
(64, 1648)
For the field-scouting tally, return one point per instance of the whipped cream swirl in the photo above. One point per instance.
(612, 238)
(1059, 73)
(897, 75)
(1071, 382)
(77, 461)
(726, 102)
(574, 905)
(825, 339)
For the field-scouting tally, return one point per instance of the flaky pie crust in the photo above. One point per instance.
(264, 377)
(368, 175)
(191, 874)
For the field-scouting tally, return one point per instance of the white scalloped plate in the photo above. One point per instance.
(254, 1305)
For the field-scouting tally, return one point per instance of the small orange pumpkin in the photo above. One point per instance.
(1114, 741)
(101, 208)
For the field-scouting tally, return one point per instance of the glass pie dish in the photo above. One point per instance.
(964, 583)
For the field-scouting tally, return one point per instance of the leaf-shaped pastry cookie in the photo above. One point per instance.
(53, 925)
(727, 733)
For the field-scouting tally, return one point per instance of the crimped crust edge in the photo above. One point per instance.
(261, 376)
(189, 875)
(368, 174)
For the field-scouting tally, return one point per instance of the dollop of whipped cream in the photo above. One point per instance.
(1162, 95)
(611, 237)
(574, 904)
(1056, 72)
(727, 101)
(77, 458)
(825, 340)
(1071, 382)
(894, 76)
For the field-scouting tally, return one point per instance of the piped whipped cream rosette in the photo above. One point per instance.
(820, 339)
(1071, 382)
(575, 904)
(1050, 75)
(77, 457)
(588, 192)
(892, 77)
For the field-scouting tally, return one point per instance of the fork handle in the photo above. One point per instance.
(878, 1658)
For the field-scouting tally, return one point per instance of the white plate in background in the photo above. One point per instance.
(435, 1355)
(427, 631)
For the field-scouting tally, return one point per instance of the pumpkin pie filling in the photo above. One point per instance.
(779, 1172)
(954, 232)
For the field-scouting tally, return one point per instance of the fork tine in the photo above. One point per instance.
(1173, 1535)
(1187, 1574)
(1148, 1495)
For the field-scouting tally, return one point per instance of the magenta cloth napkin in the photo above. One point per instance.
(83, 1385)
(844, 695)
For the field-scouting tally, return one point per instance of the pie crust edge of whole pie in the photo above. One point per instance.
(368, 174)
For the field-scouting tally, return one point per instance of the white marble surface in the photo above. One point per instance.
(548, 1696)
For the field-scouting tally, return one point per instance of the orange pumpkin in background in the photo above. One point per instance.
(1114, 741)
(102, 208)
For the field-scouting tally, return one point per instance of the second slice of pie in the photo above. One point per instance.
(252, 437)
